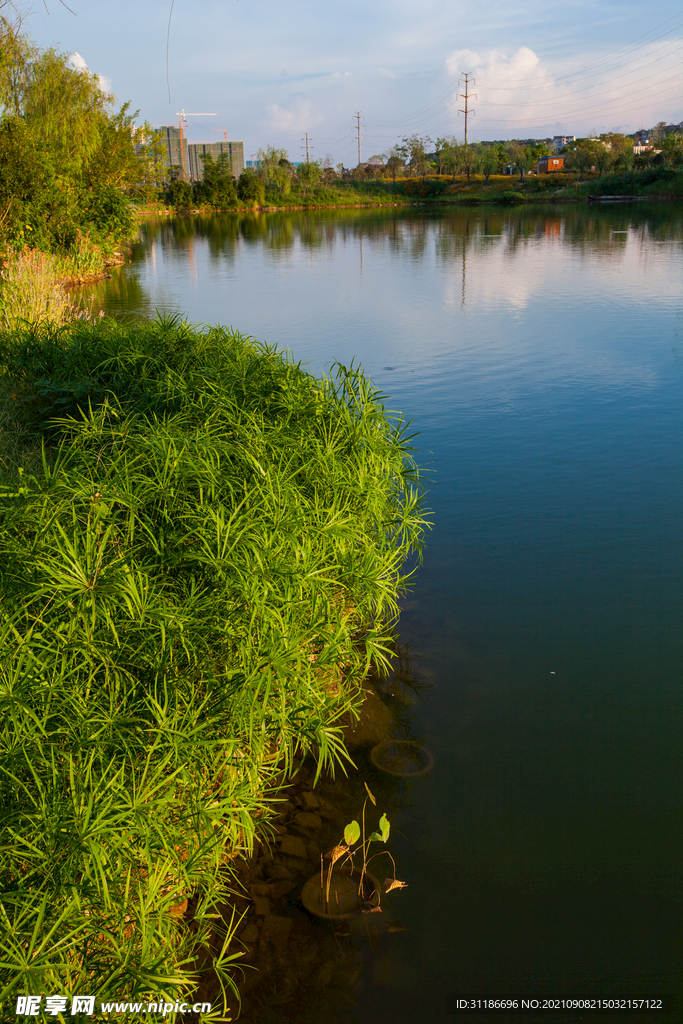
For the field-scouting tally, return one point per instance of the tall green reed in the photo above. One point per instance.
(213, 532)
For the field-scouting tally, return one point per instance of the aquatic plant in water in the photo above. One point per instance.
(347, 850)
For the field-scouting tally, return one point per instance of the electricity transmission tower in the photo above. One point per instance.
(467, 96)
(306, 142)
(358, 116)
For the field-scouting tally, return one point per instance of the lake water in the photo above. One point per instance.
(539, 353)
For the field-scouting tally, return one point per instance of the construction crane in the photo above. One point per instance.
(182, 125)
(225, 136)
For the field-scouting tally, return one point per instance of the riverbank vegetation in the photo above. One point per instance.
(70, 162)
(201, 550)
(255, 191)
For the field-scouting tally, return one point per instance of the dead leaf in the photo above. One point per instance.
(395, 926)
(393, 883)
(371, 910)
(337, 852)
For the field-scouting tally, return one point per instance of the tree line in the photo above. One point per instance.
(274, 173)
(419, 156)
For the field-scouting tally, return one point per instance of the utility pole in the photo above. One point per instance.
(358, 116)
(466, 96)
(306, 141)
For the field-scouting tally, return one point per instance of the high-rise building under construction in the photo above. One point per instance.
(186, 157)
(233, 150)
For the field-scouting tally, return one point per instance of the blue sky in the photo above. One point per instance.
(271, 70)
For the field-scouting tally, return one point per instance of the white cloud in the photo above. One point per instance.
(516, 95)
(300, 118)
(508, 87)
(77, 62)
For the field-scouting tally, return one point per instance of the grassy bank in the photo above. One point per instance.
(657, 182)
(195, 578)
(33, 284)
(653, 182)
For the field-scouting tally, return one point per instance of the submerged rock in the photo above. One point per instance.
(375, 724)
(293, 846)
(308, 819)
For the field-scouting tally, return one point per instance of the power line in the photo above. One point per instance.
(615, 105)
(545, 102)
(581, 68)
(558, 80)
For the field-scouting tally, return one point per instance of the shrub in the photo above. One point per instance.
(250, 188)
(180, 194)
(510, 196)
(109, 213)
(212, 533)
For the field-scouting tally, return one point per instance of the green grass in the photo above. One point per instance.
(32, 284)
(652, 181)
(210, 532)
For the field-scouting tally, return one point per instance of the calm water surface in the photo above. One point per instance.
(539, 352)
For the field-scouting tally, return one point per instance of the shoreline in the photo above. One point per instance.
(146, 214)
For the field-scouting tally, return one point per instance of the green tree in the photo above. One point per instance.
(250, 188)
(394, 163)
(672, 149)
(471, 160)
(67, 110)
(453, 157)
(621, 148)
(413, 150)
(581, 155)
(309, 174)
(329, 173)
(181, 194)
(604, 154)
(216, 187)
(83, 147)
(521, 157)
(15, 56)
(489, 162)
(441, 152)
(27, 187)
(275, 169)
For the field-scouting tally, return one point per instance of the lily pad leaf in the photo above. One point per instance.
(352, 833)
(384, 826)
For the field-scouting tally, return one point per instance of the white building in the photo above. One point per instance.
(560, 141)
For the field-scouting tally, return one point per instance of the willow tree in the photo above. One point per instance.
(90, 156)
(275, 169)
